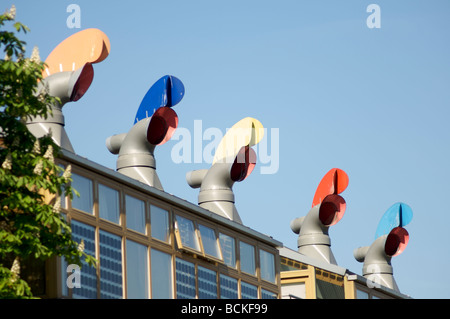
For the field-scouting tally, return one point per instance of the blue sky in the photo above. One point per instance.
(373, 102)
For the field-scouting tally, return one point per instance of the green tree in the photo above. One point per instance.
(31, 183)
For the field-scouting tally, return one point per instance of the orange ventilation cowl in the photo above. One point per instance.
(68, 76)
(328, 209)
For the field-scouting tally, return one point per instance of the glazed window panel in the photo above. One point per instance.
(63, 199)
(137, 271)
(63, 189)
(360, 294)
(228, 247)
(248, 291)
(108, 203)
(228, 287)
(329, 290)
(135, 214)
(88, 276)
(209, 241)
(159, 219)
(161, 275)
(64, 279)
(185, 279)
(267, 265)
(247, 254)
(110, 266)
(207, 283)
(266, 294)
(83, 186)
(187, 234)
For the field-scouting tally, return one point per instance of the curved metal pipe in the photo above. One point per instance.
(216, 183)
(68, 87)
(216, 192)
(313, 239)
(377, 257)
(136, 148)
(195, 178)
(136, 155)
(377, 264)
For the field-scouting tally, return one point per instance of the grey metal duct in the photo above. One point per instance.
(67, 76)
(377, 264)
(136, 148)
(391, 239)
(68, 86)
(328, 208)
(154, 124)
(234, 161)
(313, 239)
(216, 193)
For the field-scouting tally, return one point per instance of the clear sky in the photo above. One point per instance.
(331, 92)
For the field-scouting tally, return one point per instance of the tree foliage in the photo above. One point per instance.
(31, 183)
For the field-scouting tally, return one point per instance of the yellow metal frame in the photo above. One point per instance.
(306, 276)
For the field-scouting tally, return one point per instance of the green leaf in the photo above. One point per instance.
(32, 228)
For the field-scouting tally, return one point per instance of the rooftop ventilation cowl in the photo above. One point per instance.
(68, 75)
(391, 239)
(328, 208)
(154, 125)
(233, 162)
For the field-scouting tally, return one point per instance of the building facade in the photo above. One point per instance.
(150, 244)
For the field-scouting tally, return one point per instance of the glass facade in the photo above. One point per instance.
(83, 186)
(265, 294)
(248, 291)
(160, 223)
(110, 266)
(228, 287)
(228, 245)
(135, 214)
(328, 290)
(362, 291)
(247, 253)
(209, 241)
(88, 276)
(137, 271)
(207, 283)
(62, 196)
(161, 275)
(108, 202)
(360, 294)
(187, 233)
(267, 265)
(150, 244)
(130, 234)
(185, 278)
